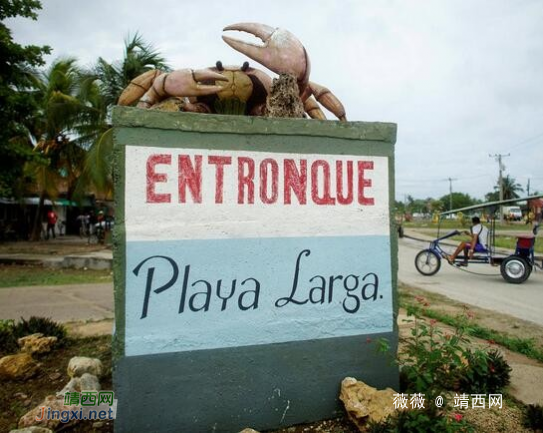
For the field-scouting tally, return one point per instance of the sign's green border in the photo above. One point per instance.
(137, 127)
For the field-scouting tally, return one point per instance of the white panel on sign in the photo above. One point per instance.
(236, 248)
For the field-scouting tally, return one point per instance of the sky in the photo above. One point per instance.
(462, 79)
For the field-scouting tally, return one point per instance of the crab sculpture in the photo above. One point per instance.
(235, 89)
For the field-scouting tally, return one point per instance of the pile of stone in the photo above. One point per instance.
(22, 365)
(84, 375)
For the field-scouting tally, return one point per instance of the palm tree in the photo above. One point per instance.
(510, 188)
(56, 157)
(101, 88)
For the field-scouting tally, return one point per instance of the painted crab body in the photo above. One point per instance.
(237, 89)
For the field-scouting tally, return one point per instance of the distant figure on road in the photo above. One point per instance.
(83, 221)
(51, 222)
(478, 242)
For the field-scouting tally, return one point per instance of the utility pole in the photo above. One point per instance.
(450, 192)
(528, 188)
(498, 157)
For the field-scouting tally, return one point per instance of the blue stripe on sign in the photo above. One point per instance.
(203, 294)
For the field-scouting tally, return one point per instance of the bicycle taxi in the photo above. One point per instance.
(515, 268)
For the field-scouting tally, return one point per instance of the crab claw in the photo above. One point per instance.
(281, 51)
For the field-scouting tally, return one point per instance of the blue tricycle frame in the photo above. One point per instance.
(515, 268)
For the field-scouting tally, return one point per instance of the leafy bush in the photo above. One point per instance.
(486, 373)
(432, 360)
(10, 332)
(8, 342)
(533, 417)
(42, 325)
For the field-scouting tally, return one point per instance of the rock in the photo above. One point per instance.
(37, 343)
(98, 424)
(20, 395)
(72, 386)
(89, 382)
(248, 430)
(364, 403)
(169, 104)
(55, 376)
(80, 365)
(32, 429)
(284, 98)
(19, 366)
(55, 403)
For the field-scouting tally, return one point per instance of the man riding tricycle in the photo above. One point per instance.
(480, 249)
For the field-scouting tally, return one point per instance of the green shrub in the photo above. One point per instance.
(486, 373)
(8, 342)
(533, 417)
(45, 326)
(432, 360)
(10, 332)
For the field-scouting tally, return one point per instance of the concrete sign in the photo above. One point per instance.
(266, 243)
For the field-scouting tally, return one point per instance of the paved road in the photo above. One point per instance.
(490, 290)
(61, 303)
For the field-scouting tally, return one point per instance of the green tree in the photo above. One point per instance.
(399, 207)
(511, 189)
(434, 205)
(17, 103)
(101, 87)
(459, 200)
(57, 158)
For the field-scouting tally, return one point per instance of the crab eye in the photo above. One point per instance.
(245, 66)
(219, 65)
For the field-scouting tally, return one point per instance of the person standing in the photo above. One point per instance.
(51, 222)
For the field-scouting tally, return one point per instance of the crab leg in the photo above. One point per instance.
(181, 83)
(138, 86)
(281, 51)
(155, 86)
(312, 108)
(328, 99)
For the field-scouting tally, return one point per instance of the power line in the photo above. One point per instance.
(528, 141)
(440, 180)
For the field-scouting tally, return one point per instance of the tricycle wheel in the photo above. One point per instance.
(515, 269)
(428, 262)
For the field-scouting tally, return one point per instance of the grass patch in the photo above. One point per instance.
(524, 346)
(20, 275)
(511, 243)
